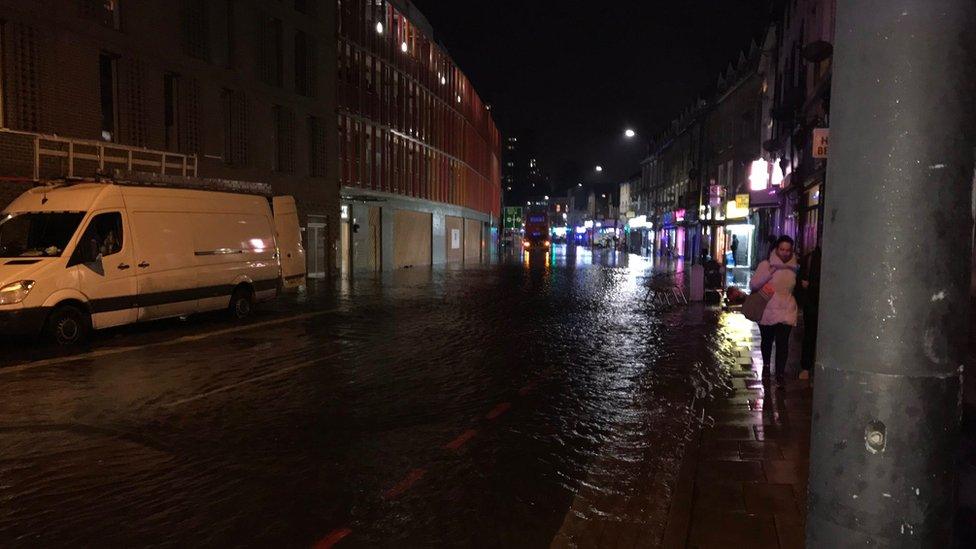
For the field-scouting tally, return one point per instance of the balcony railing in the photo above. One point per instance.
(38, 157)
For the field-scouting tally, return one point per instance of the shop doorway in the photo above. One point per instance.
(316, 235)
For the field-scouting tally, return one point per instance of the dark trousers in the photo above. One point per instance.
(780, 334)
(809, 351)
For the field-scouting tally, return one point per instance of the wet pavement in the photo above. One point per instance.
(527, 404)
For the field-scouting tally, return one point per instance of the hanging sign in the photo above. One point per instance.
(821, 139)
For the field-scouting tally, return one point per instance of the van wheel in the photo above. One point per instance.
(241, 303)
(68, 326)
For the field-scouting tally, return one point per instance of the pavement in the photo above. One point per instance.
(743, 482)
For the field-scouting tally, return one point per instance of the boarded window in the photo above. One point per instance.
(234, 114)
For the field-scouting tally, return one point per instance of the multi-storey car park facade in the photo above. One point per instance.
(419, 152)
(230, 89)
(403, 170)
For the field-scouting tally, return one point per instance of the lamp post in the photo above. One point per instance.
(894, 322)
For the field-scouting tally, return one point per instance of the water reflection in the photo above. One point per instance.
(279, 435)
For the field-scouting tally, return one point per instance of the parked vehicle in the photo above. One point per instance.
(95, 255)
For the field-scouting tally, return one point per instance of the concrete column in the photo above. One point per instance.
(388, 221)
(438, 253)
(896, 273)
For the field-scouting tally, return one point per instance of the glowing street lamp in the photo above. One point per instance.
(379, 27)
(599, 169)
(629, 133)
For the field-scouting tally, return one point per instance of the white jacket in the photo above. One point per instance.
(781, 308)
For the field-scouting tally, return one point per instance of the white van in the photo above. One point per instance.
(96, 255)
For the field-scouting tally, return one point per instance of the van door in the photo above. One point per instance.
(165, 274)
(105, 272)
(291, 254)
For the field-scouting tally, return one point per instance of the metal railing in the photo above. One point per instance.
(86, 157)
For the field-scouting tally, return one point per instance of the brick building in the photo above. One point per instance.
(419, 151)
(243, 89)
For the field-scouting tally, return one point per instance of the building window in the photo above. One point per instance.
(108, 93)
(284, 123)
(171, 113)
(269, 52)
(304, 65)
(316, 147)
(196, 30)
(234, 114)
(106, 12)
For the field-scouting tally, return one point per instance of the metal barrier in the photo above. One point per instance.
(54, 156)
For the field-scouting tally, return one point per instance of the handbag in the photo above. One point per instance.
(755, 305)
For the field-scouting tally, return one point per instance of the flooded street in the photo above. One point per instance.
(525, 404)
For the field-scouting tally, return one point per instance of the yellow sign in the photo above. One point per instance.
(732, 210)
(742, 201)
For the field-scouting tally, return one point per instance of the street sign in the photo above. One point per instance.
(821, 138)
(742, 201)
(716, 194)
(513, 217)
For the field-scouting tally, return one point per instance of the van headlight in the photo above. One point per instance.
(15, 292)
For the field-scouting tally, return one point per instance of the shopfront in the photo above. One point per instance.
(739, 233)
(810, 219)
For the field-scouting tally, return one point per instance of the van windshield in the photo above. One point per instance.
(37, 234)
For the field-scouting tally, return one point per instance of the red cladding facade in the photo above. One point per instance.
(410, 122)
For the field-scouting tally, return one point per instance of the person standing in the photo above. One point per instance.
(777, 276)
(735, 248)
(809, 292)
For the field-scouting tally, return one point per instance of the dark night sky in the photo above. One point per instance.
(577, 72)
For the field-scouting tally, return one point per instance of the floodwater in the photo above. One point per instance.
(515, 405)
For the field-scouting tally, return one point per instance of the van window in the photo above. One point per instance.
(37, 234)
(103, 237)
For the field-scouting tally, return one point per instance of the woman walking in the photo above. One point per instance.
(777, 276)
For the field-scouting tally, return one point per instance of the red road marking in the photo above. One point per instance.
(461, 440)
(412, 477)
(499, 410)
(333, 538)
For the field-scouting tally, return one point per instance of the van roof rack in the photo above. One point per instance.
(144, 179)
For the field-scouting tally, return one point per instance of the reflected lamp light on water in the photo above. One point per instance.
(580, 230)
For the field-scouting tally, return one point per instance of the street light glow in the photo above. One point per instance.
(599, 168)
(379, 27)
(629, 133)
(403, 47)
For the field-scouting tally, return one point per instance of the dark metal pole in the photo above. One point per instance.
(896, 272)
